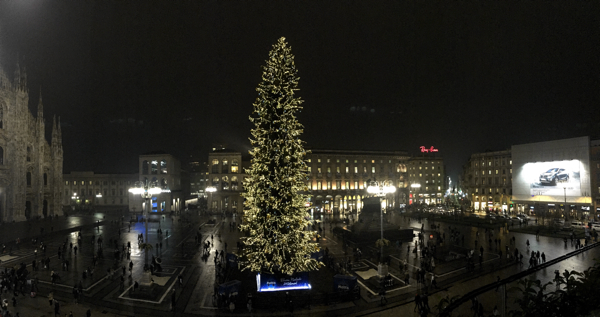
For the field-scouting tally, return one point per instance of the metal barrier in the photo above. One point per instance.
(455, 304)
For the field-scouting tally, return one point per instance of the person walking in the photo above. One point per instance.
(543, 257)
(417, 303)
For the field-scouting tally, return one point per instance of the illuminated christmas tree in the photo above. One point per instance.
(275, 214)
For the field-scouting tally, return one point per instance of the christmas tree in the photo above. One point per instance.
(275, 214)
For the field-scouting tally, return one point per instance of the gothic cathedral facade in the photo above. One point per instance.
(31, 169)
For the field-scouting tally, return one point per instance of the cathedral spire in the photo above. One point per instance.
(59, 133)
(40, 114)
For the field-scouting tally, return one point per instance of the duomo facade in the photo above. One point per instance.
(31, 169)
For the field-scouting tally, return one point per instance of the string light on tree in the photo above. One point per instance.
(277, 218)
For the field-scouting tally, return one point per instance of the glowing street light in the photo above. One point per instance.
(146, 190)
(380, 190)
(210, 190)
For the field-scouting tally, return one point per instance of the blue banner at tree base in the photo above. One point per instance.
(266, 282)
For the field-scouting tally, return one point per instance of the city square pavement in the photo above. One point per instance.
(104, 295)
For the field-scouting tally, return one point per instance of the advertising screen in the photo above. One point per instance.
(552, 178)
(552, 172)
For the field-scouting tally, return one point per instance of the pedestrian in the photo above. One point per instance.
(425, 303)
(543, 257)
(417, 303)
(56, 309)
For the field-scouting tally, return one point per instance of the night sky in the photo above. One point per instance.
(133, 77)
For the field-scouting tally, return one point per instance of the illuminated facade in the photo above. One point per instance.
(426, 179)
(30, 167)
(595, 177)
(336, 179)
(487, 181)
(165, 171)
(226, 176)
(87, 190)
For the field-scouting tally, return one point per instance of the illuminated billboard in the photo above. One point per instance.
(552, 172)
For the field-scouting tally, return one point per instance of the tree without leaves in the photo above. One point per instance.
(275, 216)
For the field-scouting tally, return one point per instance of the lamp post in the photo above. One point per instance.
(210, 190)
(146, 190)
(380, 190)
(565, 209)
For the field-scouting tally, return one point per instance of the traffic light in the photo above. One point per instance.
(511, 205)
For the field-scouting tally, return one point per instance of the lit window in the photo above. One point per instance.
(308, 160)
(309, 169)
(328, 161)
(328, 169)
(510, 171)
(373, 169)
(510, 162)
(329, 185)
(337, 160)
(496, 172)
(346, 161)
(355, 169)
(439, 188)
(66, 182)
(347, 169)
(490, 172)
(319, 185)
(337, 169)
(319, 170)
(356, 186)
(318, 160)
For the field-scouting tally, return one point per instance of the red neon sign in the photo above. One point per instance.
(431, 149)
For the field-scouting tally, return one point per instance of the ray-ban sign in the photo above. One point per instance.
(428, 150)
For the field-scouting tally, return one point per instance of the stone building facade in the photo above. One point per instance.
(337, 179)
(31, 168)
(164, 170)
(427, 180)
(487, 181)
(98, 192)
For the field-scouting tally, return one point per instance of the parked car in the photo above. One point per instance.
(554, 175)
(516, 219)
(577, 224)
(559, 221)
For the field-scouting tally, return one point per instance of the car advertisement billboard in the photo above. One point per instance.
(552, 172)
(553, 178)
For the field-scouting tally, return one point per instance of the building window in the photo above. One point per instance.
(346, 161)
(225, 168)
(90, 192)
(337, 161)
(215, 166)
(163, 167)
(309, 160)
(355, 185)
(338, 185)
(319, 170)
(45, 179)
(364, 169)
(328, 185)
(328, 169)
(145, 167)
(328, 160)
(66, 182)
(319, 185)
(337, 169)
(347, 169)
(28, 154)
(154, 167)
(234, 166)
(1, 153)
(347, 185)
(28, 179)
(113, 192)
(355, 169)
(318, 160)
(309, 169)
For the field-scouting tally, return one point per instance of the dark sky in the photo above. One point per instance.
(132, 77)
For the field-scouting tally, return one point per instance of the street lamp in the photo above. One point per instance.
(210, 190)
(146, 190)
(565, 209)
(380, 190)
